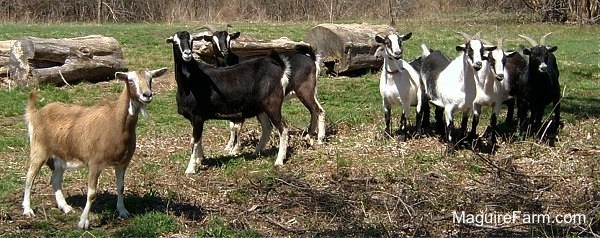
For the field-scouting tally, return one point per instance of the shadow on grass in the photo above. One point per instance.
(105, 206)
(581, 107)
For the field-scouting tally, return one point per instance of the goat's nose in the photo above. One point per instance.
(147, 94)
(500, 77)
(477, 66)
(187, 51)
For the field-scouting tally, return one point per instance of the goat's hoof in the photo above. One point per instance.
(66, 209)
(190, 171)
(84, 224)
(28, 212)
(124, 214)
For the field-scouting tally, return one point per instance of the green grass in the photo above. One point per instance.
(216, 227)
(153, 224)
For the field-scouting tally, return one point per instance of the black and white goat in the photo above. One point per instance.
(399, 82)
(499, 75)
(539, 87)
(451, 85)
(252, 88)
(302, 84)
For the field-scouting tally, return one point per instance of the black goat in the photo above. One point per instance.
(539, 87)
(304, 66)
(252, 88)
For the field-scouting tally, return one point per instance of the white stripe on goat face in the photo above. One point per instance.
(393, 46)
(186, 54)
(475, 53)
(216, 42)
(498, 58)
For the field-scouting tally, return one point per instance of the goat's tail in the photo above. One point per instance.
(31, 108)
(310, 52)
(425, 50)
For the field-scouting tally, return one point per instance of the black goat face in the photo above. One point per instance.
(221, 41)
(183, 41)
(539, 55)
(393, 44)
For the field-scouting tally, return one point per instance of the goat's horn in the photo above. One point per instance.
(486, 42)
(531, 41)
(478, 35)
(501, 43)
(210, 28)
(464, 35)
(227, 27)
(543, 39)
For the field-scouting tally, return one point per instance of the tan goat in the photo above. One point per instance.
(70, 136)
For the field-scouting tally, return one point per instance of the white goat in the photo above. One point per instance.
(399, 82)
(70, 136)
(499, 75)
(451, 85)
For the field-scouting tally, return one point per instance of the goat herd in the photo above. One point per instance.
(69, 136)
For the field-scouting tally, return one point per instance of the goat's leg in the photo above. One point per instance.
(232, 136)
(387, 113)
(277, 120)
(57, 177)
(449, 127)
(197, 151)
(510, 104)
(37, 160)
(234, 139)
(463, 125)
(439, 121)
(308, 97)
(120, 180)
(492, 132)
(265, 124)
(475, 122)
(403, 126)
(555, 123)
(95, 170)
(523, 121)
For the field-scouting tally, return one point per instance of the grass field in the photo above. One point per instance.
(357, 184)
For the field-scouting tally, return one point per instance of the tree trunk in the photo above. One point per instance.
(4, 55)
(246, 47)
(347, 48)
(92, 58)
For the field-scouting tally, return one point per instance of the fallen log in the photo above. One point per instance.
(347, 48)
(91, 58)
(4, 55)
(245, 47)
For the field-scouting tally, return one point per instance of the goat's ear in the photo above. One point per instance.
(406, 36)
(159, 72)
(121, 76)
(169, 40)
(490, 47)
(234, 35)
(552, 49)
(461, 47)
(379, 39)
(207, 38)
(510, 54)
(526, 51)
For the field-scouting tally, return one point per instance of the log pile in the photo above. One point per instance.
(63, 61)
(4, 55)
(347, 48)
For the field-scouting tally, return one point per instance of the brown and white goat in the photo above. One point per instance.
(70, 136)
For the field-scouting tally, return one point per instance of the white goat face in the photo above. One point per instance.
(140, 83)
(475, 52)
(393, 44)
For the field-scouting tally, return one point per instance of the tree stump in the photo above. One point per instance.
(4, 55)
(347, 48)
(70, 60)
(245, 47)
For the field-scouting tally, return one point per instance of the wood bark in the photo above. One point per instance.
(39, 60)
(4, 55)
(347, 48)
(246, 47)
